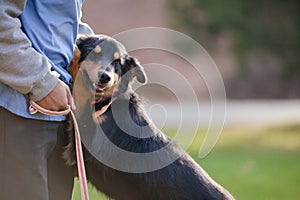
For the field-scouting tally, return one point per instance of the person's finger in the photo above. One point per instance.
(70, 99)
(62, 96)
(56, 99)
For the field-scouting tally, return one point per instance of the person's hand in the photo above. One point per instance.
(58, 99)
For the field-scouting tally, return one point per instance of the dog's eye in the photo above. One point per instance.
(118, 67)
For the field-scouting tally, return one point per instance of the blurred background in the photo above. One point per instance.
(256, 47)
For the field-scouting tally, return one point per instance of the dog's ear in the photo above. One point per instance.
(140, 73)
(74, 65)
(137, 69)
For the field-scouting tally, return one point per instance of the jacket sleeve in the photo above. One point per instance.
(21, 66)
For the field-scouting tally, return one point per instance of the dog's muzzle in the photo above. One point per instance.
(104, 78)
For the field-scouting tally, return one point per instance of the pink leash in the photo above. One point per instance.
(34, 108)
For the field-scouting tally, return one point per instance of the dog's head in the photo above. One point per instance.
(104, 67)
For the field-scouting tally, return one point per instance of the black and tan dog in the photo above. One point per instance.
(105, 101)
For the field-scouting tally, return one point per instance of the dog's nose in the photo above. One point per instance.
(104, 77)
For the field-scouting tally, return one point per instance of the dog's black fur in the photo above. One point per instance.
(182, 179)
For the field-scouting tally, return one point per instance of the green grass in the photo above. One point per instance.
(93, 194)
(258, 164)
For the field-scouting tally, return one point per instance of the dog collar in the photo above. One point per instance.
(98, 113)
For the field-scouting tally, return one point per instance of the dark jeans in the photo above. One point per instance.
(31, 167)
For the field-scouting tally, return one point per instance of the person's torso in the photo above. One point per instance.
(52, 28)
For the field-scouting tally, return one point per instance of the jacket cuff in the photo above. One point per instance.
(44, 86)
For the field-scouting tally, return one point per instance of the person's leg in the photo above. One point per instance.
(25, 148)
(60, 176)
